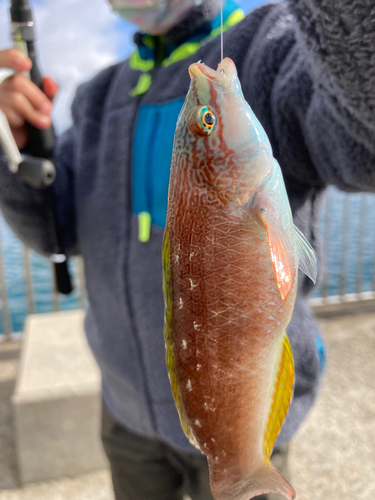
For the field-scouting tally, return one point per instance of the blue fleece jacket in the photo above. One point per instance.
(307, 70)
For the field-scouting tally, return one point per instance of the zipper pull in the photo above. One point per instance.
(144, 227)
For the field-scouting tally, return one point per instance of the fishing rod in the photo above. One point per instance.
(37, 170)
(41, 142)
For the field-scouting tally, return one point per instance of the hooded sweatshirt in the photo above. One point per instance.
(307, 70)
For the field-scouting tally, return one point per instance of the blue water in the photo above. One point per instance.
(42, 275)
(42, 281)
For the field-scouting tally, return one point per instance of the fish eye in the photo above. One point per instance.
(202, 121)
(207, 119)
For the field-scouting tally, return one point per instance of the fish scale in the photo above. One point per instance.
(230, 260)
(240, 287)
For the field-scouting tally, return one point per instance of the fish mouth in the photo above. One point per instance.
(198, 69)
(225, 74)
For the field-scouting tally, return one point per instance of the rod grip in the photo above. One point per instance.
(63, 282)
(41, 142)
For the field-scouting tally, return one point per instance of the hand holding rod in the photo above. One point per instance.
(37, 172)
(41, 142)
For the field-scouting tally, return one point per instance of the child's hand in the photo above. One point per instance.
(21, 100)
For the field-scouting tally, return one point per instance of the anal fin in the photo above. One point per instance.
(282, 395)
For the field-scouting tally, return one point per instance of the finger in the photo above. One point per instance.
(22, 85)
(15, 120)
(50, 87)
(21, 136)
(22, 106)
(14, 59)
(17, 126)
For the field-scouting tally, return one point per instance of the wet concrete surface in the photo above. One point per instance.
(331, 458)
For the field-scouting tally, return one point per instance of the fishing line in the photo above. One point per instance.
(221, 32)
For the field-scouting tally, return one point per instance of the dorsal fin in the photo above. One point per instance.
(282, 395)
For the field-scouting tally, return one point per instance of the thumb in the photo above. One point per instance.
(50, 87)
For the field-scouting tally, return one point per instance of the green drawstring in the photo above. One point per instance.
(144, 83)
(144, 227)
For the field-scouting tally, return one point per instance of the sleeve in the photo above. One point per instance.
(26, 209)
(314, 64)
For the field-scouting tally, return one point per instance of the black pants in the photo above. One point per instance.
(146, 469)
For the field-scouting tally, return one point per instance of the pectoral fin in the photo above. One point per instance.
(307, 257)
(281, 255)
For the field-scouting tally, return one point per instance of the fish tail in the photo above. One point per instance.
(266, 480)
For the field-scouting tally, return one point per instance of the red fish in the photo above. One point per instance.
(230, 257)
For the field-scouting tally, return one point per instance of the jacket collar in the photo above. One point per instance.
(202, 23)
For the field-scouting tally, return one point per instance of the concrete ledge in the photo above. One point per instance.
(342, 305)
(57, 400)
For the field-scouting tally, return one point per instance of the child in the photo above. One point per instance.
(306, 69)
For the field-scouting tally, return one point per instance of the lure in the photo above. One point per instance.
(230, 259)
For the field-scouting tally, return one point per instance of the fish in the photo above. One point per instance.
(231, 255)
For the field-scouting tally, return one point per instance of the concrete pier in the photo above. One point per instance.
(57, 400)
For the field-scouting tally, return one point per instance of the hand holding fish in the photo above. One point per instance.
(230, 257)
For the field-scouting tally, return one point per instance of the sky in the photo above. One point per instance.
(75, 39)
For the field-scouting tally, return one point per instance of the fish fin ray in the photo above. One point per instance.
(280, 251)
(307, 258)
(263, 481)
(282, 395)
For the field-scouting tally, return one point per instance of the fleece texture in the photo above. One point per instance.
(307, 70)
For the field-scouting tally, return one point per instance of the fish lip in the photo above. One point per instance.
(198, 69)
(225, 74)
(228, 68)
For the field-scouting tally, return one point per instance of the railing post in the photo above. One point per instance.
(344, 243)
(55, 295)
(361, 237)
(28, 281)
(4, 297)
(327, 227)
(81, 283)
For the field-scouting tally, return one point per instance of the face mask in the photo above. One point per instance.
(153, 16)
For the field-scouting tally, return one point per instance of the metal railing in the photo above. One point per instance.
(348, 229)
(26, 285)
